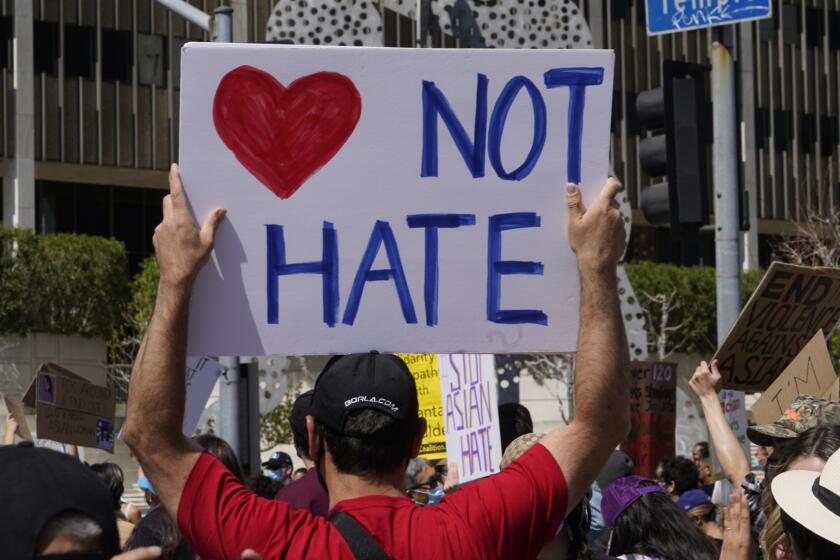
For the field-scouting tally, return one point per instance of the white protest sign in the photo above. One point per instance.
(408, 200)
(470, 412)
(201, 376)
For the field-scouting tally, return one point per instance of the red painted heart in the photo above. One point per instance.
(283, 135)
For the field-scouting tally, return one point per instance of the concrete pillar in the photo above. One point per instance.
(19, 176)
(749, 157)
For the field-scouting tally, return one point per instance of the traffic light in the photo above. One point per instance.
(676, 113)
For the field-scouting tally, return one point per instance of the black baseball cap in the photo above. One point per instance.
(36, 484)
(358, 381)
(277, 461)
(300, 410)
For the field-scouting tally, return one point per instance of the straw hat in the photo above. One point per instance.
(812, 499)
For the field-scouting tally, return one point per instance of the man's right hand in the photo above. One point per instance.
(706, 380)
(181, 246)
(596, 234)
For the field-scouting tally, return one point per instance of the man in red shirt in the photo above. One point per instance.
(364, 427)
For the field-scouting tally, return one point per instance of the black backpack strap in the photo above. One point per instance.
(361, 542)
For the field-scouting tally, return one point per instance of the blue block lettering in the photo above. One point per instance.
(434, 104)
(381, 235)
(496, 267)
(432, 222)
(577, 80)
(327, 267)
(497, 127)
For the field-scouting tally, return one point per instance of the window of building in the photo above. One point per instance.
(128, 214)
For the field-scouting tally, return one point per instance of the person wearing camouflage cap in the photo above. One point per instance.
(805, 412)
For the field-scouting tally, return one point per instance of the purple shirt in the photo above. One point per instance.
(306, 493)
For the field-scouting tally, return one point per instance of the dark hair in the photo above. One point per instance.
(704, 449)
(301, 470)
(805, 543)
(263, 486)
(682, 472)
(373, 446)
(113, 477)
(221, 450)
(653, 525)
(514, 421)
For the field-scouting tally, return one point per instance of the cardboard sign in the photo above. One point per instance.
(810, 373)
(15, 408)
(70, 409)
(201, 376)
(408, 200)
(789, 306)
(652, 415)
(424, 368)
(470, 411)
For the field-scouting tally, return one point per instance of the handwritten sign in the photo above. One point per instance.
(810, 373)
(470, 411)
(652, 415)
(15, 408)
(424, 368)
(408, 200)
(201, 376)
(789, 306)
(72, 410)
(668, 16)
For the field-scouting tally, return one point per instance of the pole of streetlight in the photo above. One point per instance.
(223, 20)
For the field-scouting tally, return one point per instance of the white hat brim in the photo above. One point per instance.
(793, 491)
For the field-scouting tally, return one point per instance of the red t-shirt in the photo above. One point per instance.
(508, 515)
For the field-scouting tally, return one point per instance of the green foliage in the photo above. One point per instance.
(694, 304)
(143, 292)
(274, 424)
(61, 284)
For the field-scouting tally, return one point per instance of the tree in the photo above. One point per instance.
(545, 368)
(659, 323)
(274, 424)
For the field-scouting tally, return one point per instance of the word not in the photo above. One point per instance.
(383, 236)
(487, 139)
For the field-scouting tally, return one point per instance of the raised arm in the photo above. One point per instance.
(602, 387)
(156, 393)
(705, 383)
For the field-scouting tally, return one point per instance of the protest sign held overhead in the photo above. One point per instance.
(70, 409)
(470, 412)
(789, 306)
(652, 415)
(424, 368)
(398, 199)
(810, 373)
(15, 408)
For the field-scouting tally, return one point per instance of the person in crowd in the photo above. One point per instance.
(804, 413)
(113, 477)
(762, 452)
(263, 486)
(158, 527)
(422, 483)
(514, 421)
(618, 465)
(703, 513)
(54, 505)
(364, 427)
(807, 452)
(679, 475)
(279, 467)
(702, 458)
(298, 474)
(647, 525)
(809, 501)
(308, 493)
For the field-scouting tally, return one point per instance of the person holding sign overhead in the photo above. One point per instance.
(364, 427)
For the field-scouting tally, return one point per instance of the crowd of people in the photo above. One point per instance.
(364, 493)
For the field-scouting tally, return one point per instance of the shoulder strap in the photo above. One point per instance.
(361, 542)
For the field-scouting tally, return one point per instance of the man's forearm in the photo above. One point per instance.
(157, 389)
(602, 388)
(727, 448)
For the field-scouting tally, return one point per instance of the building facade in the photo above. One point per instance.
(90, 97)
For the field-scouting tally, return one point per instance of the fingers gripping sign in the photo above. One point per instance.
(596, 235)
(181, 246)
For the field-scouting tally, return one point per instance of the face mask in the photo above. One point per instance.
(435, 495)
